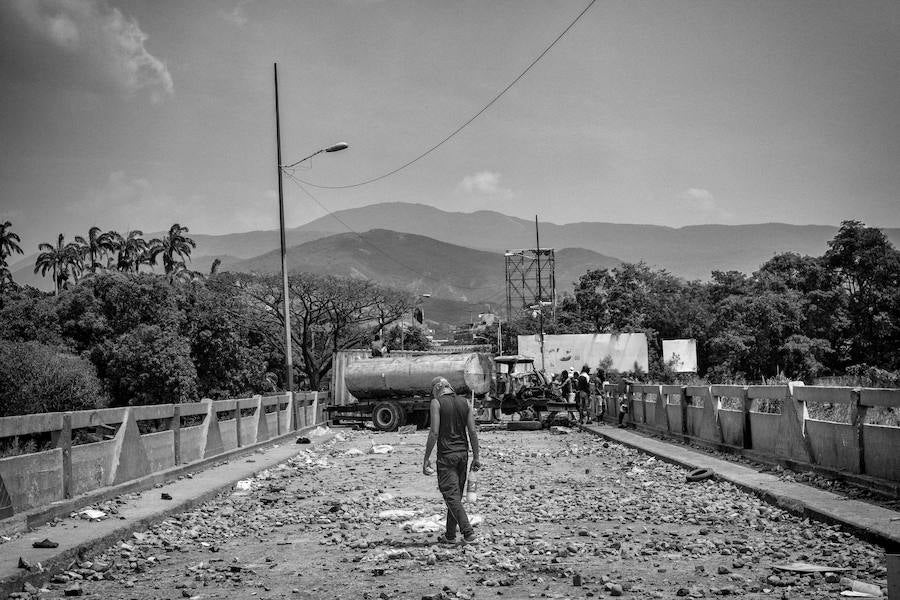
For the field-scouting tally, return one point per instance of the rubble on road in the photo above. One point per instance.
(558, 516)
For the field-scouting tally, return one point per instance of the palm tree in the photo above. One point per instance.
(111, 242)
(173, 244)
(9, 242)
(92, 248)
(59, 259)
(132, 251)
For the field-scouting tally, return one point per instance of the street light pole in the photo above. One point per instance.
(288, 357)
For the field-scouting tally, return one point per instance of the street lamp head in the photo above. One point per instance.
(337, 147)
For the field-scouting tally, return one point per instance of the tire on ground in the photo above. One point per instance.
(700, 475)
(524, 426)
(388, 416)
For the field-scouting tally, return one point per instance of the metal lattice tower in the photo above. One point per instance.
(530, 280)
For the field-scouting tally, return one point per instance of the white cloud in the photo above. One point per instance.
(486, 183)
(111, 43)
(124, 202)
(698, 199)
(701, 206)
(127, 203)
(237, 16)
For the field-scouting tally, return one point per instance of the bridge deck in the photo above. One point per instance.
(554, 507)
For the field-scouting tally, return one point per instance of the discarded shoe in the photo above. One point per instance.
(304, 440)
(45, 543)
(165, 496)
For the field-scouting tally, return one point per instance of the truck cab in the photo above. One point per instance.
(519, 385)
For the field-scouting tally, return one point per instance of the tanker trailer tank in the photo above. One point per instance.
(408, 376)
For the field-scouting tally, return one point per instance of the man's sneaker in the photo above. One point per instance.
(470, 539)
(443, 539)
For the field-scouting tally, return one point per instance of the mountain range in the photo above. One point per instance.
(459, 256)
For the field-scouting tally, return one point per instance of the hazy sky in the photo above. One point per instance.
(131, 114)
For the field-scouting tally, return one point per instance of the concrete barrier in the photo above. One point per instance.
(181, 434)
(771, 422)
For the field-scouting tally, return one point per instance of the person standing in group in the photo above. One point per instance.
(452, 431)
(565, 385)
(583, 387)
(378, 348)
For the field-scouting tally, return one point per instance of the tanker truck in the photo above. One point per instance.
(395, 391)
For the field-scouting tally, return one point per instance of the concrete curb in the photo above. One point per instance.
(61, 561)
(874, 524)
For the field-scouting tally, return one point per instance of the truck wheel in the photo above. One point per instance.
(388, 416)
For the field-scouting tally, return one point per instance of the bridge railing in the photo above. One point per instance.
(87, 450)
(771, 422)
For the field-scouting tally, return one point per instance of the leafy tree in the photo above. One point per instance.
(868, 266)
(81, 318)
(148, 365)
(749, 331)
(128, 300)
(27, 315)
(327, 314)
(36, 377)
(174, 247)
(229, 354)
(407, 337)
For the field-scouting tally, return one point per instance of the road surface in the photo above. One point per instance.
(557, 510)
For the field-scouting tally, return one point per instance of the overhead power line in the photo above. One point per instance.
(466, 123)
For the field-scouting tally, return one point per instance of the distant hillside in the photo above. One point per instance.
(690, 252)
(416, 263)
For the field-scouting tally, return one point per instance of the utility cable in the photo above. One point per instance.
(466, 123)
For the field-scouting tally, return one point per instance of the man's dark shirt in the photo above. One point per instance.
(452, 436)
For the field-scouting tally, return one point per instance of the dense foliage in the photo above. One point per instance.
(799, 317)
(36, 377)
(144, 338)
(112, 334)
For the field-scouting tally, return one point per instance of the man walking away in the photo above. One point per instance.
(452, 429)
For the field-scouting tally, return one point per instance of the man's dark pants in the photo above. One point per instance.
(583, 400)
(451, 475)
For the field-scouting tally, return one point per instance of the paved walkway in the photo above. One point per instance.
(878, 525)
(76, 536)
